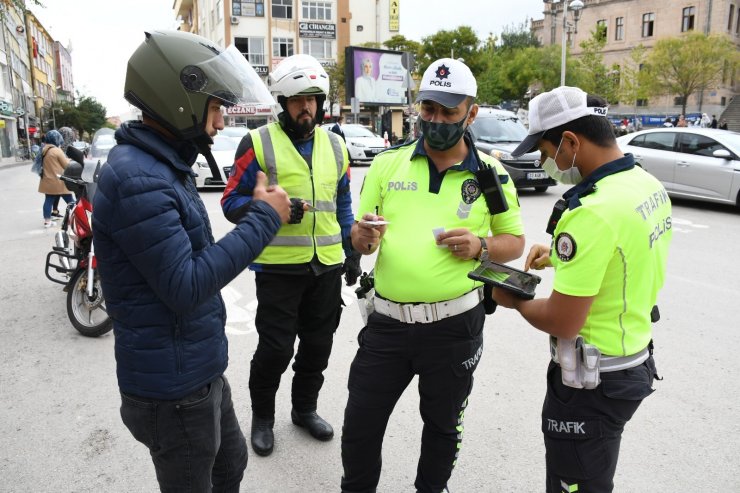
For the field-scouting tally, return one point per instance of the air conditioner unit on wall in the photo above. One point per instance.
(234, 20)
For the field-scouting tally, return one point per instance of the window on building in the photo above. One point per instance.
(252, 48)
(732, 15)
(282, 9)
(316, 10)
(642, 102)
(679, 101)
(723, 101)
(317, 48)
(648, 23)
(687, 22)
(619, 29)
(737, 25)
(601, 28)
(248, 8)
(219, 11)
(282, 47)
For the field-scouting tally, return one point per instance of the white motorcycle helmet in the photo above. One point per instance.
(299, 75)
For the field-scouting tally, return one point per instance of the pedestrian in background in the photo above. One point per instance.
(299, 275)
(713, 124)
(428, 318)
(611, 233)
(337, 127)
(162, 270)
(723, 124)
(54, 162)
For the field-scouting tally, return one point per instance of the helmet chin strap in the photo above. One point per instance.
(203, 142)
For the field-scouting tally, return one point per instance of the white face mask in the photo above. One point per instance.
(571, 176)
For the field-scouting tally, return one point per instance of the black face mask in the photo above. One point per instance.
(442, 136)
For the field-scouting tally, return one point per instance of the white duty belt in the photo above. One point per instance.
(425, 313)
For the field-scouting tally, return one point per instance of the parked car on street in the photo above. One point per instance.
(235, 133)
(223, 150)
(694, 163)
(362, 144)
(103, 142)
(82, 146)
(498, 132)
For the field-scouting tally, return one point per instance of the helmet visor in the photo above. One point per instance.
(230, 78)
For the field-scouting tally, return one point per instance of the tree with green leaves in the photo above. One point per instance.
(684, 65)
(592, 75)
(87, 116)
(336, 83)
(459, 43)
(634, 83)
(517, 37)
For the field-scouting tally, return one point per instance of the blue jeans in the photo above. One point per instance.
(49, 202)
(195, 442)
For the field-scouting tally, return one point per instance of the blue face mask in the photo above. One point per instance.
(442, 136)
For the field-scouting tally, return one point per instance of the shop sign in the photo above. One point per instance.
(317, 30)
(250, 110)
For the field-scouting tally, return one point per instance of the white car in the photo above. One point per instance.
(362, 144)
(224, 151)
(235, 133)
(692, 163)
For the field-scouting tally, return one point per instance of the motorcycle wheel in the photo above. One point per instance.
(88, 315)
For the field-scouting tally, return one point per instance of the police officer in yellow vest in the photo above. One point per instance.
(611, 233)
(298, 275)
(428, 315)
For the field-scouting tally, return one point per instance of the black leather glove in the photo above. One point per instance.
(351, 268)
(296, 211)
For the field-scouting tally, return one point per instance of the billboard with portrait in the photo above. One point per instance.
(376, 77)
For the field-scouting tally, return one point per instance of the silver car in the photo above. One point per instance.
(693, 163)
(224, 151)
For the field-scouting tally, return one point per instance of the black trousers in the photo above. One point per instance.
(444, 354)
(583, 428)
(308, 306)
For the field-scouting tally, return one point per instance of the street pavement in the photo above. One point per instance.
(61, 430)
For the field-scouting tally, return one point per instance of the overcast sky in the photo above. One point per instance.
(104, 33)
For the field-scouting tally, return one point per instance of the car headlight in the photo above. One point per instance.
(358, 144)
(501, 155)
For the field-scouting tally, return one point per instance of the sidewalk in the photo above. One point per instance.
(12, 162)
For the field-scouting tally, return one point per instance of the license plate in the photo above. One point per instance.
(537, 175)
(375, 151)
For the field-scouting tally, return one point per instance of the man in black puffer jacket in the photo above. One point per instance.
(161, 269)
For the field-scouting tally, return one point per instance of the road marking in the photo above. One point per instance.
(240, 314)
(685, 222)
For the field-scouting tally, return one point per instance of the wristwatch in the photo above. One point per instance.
(483, 250)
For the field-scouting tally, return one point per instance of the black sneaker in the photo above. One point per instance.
(56, 214)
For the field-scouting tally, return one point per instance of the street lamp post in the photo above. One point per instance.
(576, 6)
(61, 112)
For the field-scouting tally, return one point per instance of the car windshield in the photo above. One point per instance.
(503, 129)
(357, 131)
(223, 143)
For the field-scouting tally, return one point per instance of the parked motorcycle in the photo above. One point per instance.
(71, 261)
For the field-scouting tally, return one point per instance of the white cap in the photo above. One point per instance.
(555, 108)
(447, 82)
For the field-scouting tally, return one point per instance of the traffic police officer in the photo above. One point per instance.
(428, 317)
(611, 233)
(298, 275)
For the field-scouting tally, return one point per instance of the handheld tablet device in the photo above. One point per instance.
(518, 282)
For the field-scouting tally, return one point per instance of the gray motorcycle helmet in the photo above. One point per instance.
(172, 75)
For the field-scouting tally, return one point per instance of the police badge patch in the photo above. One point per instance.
(565, 247)
(470, 191)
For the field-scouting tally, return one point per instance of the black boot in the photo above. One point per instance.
(262, 438)
(316, 425)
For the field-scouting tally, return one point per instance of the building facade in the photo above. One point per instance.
(63, 72)
(268, 31)
(630, 23)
